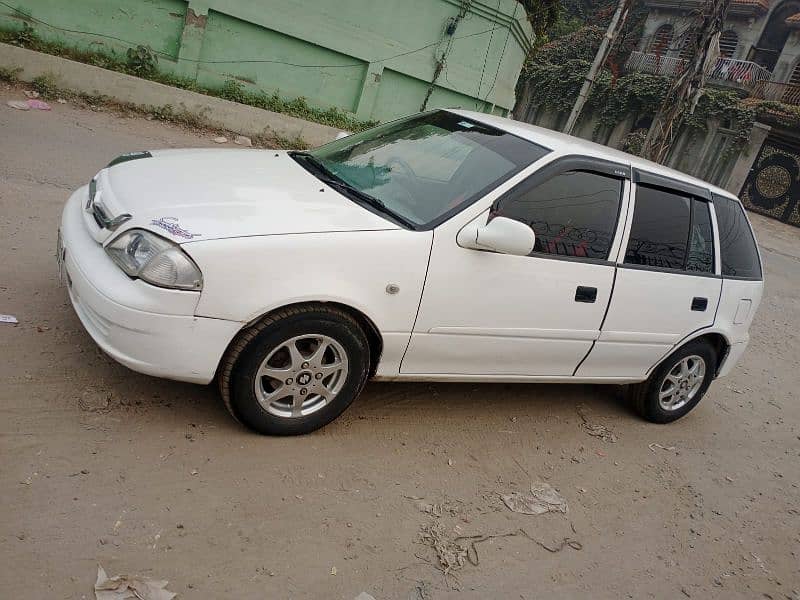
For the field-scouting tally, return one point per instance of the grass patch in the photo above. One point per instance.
(142, 62)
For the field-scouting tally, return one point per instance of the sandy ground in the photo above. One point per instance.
(103, 465)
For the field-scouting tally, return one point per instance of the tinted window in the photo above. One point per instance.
(701, 240)
(737, 247)
(573, 214)
(660, 229)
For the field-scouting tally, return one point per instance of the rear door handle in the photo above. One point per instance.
(585, 294)
(699, 304)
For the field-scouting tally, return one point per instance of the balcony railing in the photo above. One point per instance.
(788, 93)
(738, 73)
(656, 64)
(741, 73)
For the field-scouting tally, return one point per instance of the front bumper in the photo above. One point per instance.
(148, 329)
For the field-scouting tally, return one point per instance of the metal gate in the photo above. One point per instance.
(773, 186)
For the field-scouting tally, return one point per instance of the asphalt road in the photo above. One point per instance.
(100, 465)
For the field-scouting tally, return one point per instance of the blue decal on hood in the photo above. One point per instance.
(171, 224)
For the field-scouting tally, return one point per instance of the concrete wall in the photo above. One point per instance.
(333, 53)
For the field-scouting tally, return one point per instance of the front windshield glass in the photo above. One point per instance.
(423, 167)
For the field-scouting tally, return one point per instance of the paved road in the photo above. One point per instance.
(102, 465)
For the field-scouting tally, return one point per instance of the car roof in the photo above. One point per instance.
(569, 144)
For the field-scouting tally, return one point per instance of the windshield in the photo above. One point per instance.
(426, 167)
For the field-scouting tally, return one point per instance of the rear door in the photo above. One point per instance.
(667, 284)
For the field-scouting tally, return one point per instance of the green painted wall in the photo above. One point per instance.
(375, 59)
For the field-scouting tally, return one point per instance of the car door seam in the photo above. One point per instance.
(419, 304)
(602, 322)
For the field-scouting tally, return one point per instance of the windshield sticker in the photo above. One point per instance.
(466, 124)
(170, 224)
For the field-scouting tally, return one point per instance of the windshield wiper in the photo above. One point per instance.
(349, 190)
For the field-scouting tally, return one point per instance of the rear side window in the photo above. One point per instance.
(660, 230)
(737, 246)
(701, 239)
(573, 214)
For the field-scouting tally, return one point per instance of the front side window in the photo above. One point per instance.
(660, 230)
(424, 167)
(573, 214)
(737, 247)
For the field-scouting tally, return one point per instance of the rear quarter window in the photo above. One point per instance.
(738, 251)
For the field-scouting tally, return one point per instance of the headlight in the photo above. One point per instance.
(155, 260)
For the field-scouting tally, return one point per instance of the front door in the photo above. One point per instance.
(666, 287)
(490, 314)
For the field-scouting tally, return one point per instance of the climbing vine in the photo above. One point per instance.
(553, 76)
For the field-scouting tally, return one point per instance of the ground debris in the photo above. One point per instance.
(543, 498)
(595, 429)
(95, 400)
(18, 104)
(242, 140)
(655, 445)
(450, 555)
(8, 319)
(123, 587)
(220, 139)
(364, 596)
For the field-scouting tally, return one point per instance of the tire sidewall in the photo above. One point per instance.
(243, 398)
(652, 408)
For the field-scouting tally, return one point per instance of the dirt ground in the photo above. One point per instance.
(101, 465)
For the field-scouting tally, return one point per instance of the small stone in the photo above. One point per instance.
(220, 139)
(179, 526)
(242, 140)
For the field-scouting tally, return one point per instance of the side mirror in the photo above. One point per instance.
(501, 234)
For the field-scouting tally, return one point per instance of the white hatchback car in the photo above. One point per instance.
(446, 246)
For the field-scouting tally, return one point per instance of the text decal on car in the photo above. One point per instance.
(171, 224)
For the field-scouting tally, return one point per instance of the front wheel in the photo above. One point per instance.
(678, 384)
(296, 370)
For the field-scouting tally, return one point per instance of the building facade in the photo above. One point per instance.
(759, 58)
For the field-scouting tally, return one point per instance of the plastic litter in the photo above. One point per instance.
(8, 319)
(18, 104)
(542, 499)
(220, 139)
(38, 104)
(364, 596)
(242, 140)
(123, 587)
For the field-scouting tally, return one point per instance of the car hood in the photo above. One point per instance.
(206, 194)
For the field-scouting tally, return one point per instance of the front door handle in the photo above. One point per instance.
(699, 304)
(585, 294)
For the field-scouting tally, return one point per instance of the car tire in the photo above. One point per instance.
(295, 370)
(677, 385)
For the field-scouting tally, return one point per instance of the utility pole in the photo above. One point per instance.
(617, 21)
(685, 91)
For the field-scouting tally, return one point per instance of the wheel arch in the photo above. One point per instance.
(368, 326)
(717, 339)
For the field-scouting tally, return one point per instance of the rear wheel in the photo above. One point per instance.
(678, 384)
(296, 370)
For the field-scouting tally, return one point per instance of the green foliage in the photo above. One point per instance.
(633, 143)
(46, 85)
(141, 61)
(236, 91)
(10, 75)
(25, 37)
(555, 74)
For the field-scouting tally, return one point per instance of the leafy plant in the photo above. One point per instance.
(141, 61)
(46, 85)
(24, 37)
